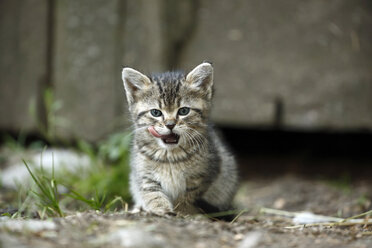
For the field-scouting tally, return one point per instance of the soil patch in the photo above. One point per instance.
(251, 229)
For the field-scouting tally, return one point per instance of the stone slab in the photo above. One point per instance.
(87, 67)
(296, 64)
(23, 56)
(143, 40)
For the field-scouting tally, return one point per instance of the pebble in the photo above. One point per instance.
(69, 160)
(133, 238)
(27, 225)
(250, 240)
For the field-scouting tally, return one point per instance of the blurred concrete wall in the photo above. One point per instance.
(278, 64)
(23, 60)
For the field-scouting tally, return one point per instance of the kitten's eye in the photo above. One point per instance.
(184, 111)
(156, 112)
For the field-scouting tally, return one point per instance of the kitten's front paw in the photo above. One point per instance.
(161, 210)
(160, 207)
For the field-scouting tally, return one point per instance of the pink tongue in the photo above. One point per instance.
(153, 132)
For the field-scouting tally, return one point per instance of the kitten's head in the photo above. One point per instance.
(171, 109)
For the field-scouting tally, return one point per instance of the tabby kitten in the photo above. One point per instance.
(178, 162)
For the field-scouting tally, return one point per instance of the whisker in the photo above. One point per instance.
(198, 134)
(196, 140)
(189, 138)
(201, 138)
(198, 123)
(137, 129)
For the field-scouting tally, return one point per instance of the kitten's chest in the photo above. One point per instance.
(172, 180)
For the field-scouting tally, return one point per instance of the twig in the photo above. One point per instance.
(359, 215)
(322, 220)
(238, 215)
(278, 212)
(226, 213)
(328, 224)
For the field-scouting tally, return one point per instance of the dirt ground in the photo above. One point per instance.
(251, 229)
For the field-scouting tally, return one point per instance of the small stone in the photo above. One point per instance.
(250, 240)
(201, 245)
(27, 225)
(279, 203)
(49, 234)
(239, 236)
(134, 237)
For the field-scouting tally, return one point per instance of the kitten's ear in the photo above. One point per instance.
(133, 82)
(201, 77)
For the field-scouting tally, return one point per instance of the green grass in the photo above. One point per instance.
(109, 174)
(103, 186)
(46, 193)
(48, 127)
(97, 202)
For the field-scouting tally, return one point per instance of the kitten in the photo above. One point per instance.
(178, 162)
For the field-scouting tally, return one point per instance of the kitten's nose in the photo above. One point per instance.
(170, 124)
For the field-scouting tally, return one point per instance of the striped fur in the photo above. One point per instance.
(174, 177)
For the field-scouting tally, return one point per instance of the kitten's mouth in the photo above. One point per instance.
(170, 139)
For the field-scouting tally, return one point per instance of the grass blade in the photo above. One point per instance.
(48, 195)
